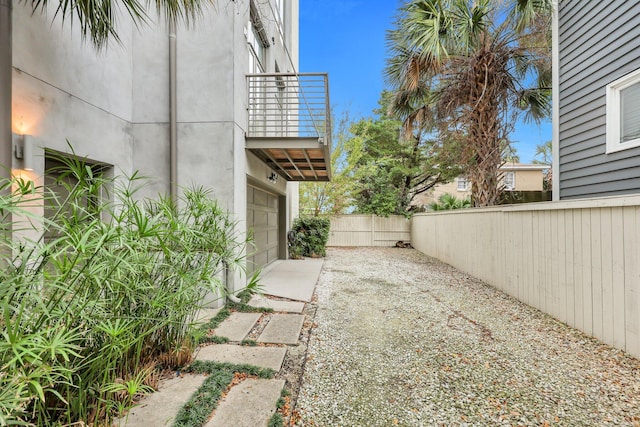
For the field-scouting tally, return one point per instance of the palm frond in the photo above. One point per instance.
(98, 18)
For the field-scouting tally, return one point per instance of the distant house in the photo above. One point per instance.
(596, 99)
(515, 177)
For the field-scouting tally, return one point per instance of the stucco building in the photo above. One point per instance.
(219, 104)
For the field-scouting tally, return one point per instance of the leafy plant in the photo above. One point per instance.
(196, 411)
(309, 237)
(448, 202)
(100, 289)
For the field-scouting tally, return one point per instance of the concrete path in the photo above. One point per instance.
(160, 408)
(282, 329)
(277, 305)
(237, 326)
(264, 357)
(257, 397)
(252, 402)
(292, 279)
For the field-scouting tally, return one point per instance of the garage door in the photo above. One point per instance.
(262, 218)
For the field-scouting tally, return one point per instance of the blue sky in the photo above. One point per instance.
(346, 38)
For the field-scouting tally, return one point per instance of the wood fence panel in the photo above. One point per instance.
(607, 275)
(596, 271)
(578, 268)
(368, 230)
(569, 280)
(617, 280)
(588, 272)
(632, 275)
(578, 260)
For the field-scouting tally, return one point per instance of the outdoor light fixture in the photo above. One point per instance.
(272, 177)
(23, 150)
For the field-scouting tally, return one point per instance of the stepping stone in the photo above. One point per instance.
(282, 329)
(206, 314)
(248, 404)
(160, 408)
(277, 305)
(264, 357)
(237, 326)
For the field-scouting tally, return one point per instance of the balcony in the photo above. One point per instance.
(290, 124)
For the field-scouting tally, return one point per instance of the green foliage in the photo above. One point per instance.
(276, 420)
(544, 154)
(391, 169)
(472, 68)
(99, 291)
(310, 236)
(333, 197)
(219, 375)
(97, 19)
(448, 202)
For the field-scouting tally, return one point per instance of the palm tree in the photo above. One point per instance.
(448, 202)
(544, 156)
(474, 60)
(97, 22)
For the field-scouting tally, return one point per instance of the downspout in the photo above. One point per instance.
(173, 113)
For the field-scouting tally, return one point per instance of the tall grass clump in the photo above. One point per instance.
(101, 292)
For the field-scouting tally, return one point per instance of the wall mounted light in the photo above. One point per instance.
(272, 177)
(23, 150)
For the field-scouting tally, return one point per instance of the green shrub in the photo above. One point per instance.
(309, 237)
(448, 201)
(98, 292)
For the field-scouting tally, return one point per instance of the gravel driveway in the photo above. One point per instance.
(402, 339)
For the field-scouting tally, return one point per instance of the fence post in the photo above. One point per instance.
(373, 229)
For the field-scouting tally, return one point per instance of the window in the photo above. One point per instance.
(74, 195)
(258, 41)
(623, 113)
(280, 11)
(509, 180)
(463, 184)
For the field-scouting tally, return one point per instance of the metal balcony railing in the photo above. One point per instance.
(287, 105)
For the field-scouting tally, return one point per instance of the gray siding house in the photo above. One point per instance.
(596, 98)
(243, 123)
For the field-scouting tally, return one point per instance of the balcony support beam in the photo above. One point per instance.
(280, 143)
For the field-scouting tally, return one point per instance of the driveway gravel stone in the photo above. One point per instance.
(403, 339)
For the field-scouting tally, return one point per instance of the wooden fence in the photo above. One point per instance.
(578, 261)
(368, 230)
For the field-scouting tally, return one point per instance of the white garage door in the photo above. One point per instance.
(262, 218)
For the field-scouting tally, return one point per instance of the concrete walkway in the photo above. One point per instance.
(292, 279)
(252, 402)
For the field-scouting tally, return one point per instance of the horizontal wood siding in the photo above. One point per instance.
(368, 230)
(578, 261)
(598, 44)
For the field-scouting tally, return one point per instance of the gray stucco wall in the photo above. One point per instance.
(598, 44)
(63, 89)
(113, 104)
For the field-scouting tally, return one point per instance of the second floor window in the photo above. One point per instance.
(509, 180)
(463, 184)
(258, 42)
